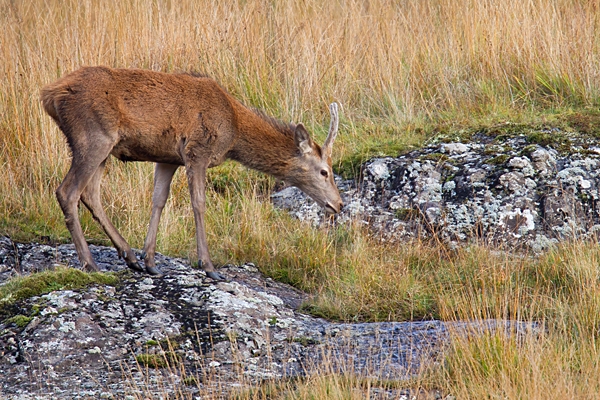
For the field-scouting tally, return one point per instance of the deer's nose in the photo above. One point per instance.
(333, 208)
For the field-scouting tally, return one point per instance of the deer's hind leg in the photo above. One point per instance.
(86, 161)
(91, 198)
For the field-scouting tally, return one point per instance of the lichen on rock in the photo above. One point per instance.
(147, 336)
(513, 192)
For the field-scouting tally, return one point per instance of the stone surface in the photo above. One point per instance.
(508, 192)
(207, 338)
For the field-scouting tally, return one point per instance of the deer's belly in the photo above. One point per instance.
(159, 151)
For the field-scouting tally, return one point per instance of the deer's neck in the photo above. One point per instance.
(263, 146)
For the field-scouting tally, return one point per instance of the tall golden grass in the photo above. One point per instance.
(392, 65)
(397, 68)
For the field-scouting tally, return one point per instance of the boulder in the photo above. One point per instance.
(510, 192)
(182, 334)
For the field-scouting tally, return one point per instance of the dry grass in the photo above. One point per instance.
(398, 69)
(420, 63)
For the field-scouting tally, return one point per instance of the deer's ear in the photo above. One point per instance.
(302, 139)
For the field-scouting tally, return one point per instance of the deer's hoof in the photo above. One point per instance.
(214, 275)
(90, 267)
(153, 271)
(136, 267)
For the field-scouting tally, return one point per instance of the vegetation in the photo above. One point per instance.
(47, 281)
(19, 320)
(157, 360)
(427, 68)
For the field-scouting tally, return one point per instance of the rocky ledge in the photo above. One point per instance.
(184, 335)
(520, 191)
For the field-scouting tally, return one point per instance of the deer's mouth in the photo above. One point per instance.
(331, 209)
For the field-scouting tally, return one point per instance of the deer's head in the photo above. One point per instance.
(311, 170)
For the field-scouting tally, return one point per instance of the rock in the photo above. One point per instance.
(151, 336)
(504, 191)
(454, 148)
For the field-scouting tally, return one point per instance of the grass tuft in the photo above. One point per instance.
(60, 278)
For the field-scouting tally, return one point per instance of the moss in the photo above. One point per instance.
(190, 381)
(491, 149)
(407, 214)
(305, 341)
(37, 308)
(20, 321)
(151, 360)
(584, 197)
(158, 360)
(547, 138)
(528, 150)
(174, 342)
(436, 157)
(47, 281)
(498, 160)
(449, 133)
(507, 131)
(449, 177)
(584, 121)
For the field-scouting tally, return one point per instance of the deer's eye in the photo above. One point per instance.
(324, 173)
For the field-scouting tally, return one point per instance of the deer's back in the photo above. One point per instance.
(148, 114)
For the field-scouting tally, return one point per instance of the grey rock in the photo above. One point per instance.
(454, 148)
(91, 343)
(506, 192)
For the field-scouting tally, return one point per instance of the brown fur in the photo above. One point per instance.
(172, 120)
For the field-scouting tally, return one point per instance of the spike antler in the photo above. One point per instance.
(333, 130)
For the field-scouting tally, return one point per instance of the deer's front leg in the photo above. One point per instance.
(163, 175)
(196, 175)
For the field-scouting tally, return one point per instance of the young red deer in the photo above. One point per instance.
(172, 120)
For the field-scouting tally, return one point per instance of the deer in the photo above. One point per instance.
(172, 120)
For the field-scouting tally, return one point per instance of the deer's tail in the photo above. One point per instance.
(50, 96)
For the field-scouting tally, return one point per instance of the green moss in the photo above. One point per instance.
(453, 135)
(20, 321)
(190, 381)
(436, 157)
(528, 150)
(556, 140)
(508, 130)
(498, 160)
(491, 149)
(151, 360)
(584, 121)
(47, 281)
(36, 308)
(158, 360)
(305, 341)
(407, 214)
(449, 177)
